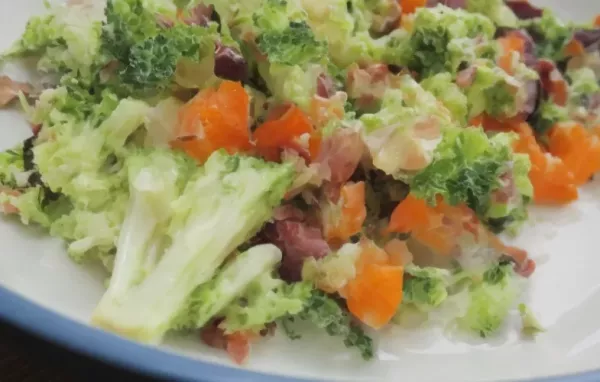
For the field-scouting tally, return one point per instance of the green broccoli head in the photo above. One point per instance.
(444, 89)
(442, 39)
(425, 288)
(553, 34)
(497, 93)
(294, 45)
(148, 53)
(496, 10)
(325, 313)
(66, 40)
(491, 300)
(468, 167)
(223, 204)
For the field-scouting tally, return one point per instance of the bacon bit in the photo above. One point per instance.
(214, 336)
(199, 15)
(523, 9)
(238, 347)
(465, 78)
(574, 48)
(341, 153)
(398, 252)
(9, 90)
(7, 207)
(298, 241)
(325, 86)
(368, 85)
(35, 129)
(288, 212)
(527, 268)
(164, 21)
(553, 82)
(108, 70)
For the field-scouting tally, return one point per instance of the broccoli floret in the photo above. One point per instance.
(442, 39)
(496, 10)
(235, 283)
(551, 35)
(467, 167)
(295, 45)
(325, 313)
(225, 202)
(531, 325)
(66, 40)
(425, 288)
(265, 300)
(443, 88)
(495, 92)
(491, 300)
(148, 54)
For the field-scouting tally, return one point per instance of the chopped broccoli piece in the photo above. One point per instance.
(443, 88)
(442, 39)
(547, 115)
(232, 280)
(325, 313)
(495, 92)
(67, 40)
(224, 203)
(496, 10)
(148, 54)
(491, 300)
(295, 45)
(531, 326)
(425, 288)
(266, 300)
(551, 35)
(467, 167)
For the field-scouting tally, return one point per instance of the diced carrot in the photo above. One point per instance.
(284, 132)
(351, 216)
(411, 213)
(410, 6)
(215, 119)
(597, 21)
(578, 149)
(574, 48)
(552, 181)
(510, 43)
(375, 294)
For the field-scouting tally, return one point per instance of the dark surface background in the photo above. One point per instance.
(25, 358)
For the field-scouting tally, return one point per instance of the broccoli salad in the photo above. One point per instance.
(246, 167)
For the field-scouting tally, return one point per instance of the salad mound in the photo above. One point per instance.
(245, 167)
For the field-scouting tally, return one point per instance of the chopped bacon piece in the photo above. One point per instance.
(298, 241)
(9, 90)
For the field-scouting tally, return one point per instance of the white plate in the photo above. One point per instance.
(564, 293)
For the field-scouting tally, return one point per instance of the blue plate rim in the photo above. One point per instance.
(146, 360)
